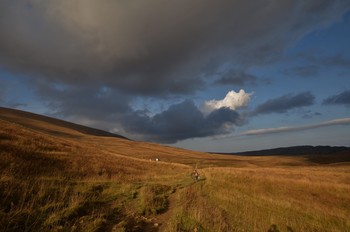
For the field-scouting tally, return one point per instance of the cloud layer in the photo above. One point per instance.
(339, 99)
(236, 78)
(106, 109)
(181, 121)
(285, 103)
(91, 59)
(342, 121)
(150, 47)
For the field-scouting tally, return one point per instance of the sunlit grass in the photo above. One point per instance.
(69, 181)
(290, 199)
(50, 183)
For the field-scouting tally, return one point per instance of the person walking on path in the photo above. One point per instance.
(195, 175)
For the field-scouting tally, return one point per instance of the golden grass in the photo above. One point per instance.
(55, 178)
(53, 183)
(258, 199)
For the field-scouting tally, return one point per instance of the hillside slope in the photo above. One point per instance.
(297, 151)
(54, 182)
(314, 154)
(118, 145)
(54, 177)
(50, 125)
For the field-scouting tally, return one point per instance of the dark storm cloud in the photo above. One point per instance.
(237, 78)
(150, 47)
(83, 101)
(181, 121)
(92, 58)
(109, 110)
(284, 103)
(339, 99)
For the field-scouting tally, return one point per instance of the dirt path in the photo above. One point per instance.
(157, 223)
(160, 221)
(163, 219)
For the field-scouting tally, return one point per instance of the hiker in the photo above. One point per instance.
(195, 175)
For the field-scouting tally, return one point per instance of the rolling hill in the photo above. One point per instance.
(60, 176)
(314, 154)
(94, 138)
(119, 145)
(298, 151)
(50, 125)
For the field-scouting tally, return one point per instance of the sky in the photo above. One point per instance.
(218, 76)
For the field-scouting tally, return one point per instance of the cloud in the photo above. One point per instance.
(91, 59)
(304, 71)
(237, 78)
(151, 47)
(343, 121)
(112, 111)
(232, 101)
(181, 121)
(309, 114)
(6, 88)
(285, 103)
(337, 60)
(3, 93)
(338, 99)
(84, 101)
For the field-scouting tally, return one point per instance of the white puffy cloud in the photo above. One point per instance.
(232, 100)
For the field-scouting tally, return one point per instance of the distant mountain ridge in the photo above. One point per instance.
(297, 151)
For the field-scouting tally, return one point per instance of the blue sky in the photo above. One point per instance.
(221, 76)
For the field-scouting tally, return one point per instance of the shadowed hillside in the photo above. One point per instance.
(118, 145)
(298, 150)
(50, 125)
(57, 182)
(58, 176)
(314, 154)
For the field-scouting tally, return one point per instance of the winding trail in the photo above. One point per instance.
(156, 223)
(162, 219)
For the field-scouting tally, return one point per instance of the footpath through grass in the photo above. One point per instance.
(266, 199)
(50, 183)
(81, 205)
(55, 184)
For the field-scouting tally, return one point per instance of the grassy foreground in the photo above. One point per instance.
(54, 184)
(55, 181)
(266, 199)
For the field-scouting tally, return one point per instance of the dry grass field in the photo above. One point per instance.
(58, 176)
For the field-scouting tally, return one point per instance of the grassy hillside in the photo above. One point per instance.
(50, 125)
(55, 176)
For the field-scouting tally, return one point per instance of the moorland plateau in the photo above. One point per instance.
(60, 176)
